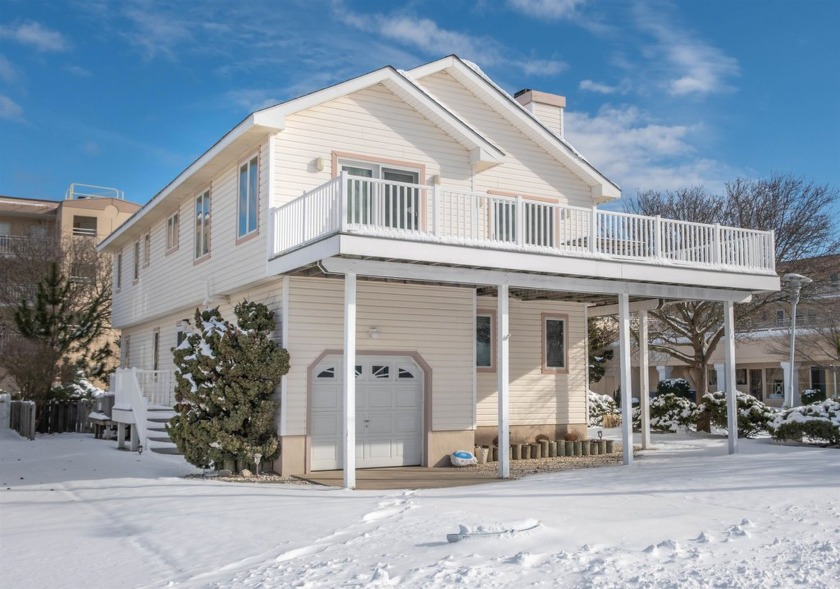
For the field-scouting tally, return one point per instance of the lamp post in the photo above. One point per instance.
(794, 283)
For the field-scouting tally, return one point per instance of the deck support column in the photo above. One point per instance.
(502, 345)
(120, 435)
(731, 397)
(349, 381)
(644, 378)
(624, 371)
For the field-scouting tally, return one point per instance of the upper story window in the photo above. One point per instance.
(173, 232)
(136, 260)
(202, 224)
(554, 344)
(118, 271)
(84, 225)
(396, 204)
(147, 249)
(248, 188)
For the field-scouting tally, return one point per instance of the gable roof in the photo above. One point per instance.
(483, 153)
(471, 77)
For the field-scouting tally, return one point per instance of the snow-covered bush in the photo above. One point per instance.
(818, 422)
(810, 396)
(601, 406)
(226, 375)
(753, 415)
(674, 386)
(668, 413)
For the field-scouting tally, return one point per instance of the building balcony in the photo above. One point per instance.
(485, 224)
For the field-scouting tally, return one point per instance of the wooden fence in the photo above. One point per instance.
(50, 417)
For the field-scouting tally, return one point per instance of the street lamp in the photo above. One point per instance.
(794, 283)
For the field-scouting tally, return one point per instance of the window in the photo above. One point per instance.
(156, 350)
(181, 332)
(554, 344)
(84, 226)
(202, 224)
(147, 249)
(248, 197)
(393, 204)
(780, 319)
(136, 260)
(173, 231)
(126, 351)
(484, 342)
(118, 271)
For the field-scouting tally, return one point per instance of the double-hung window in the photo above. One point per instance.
(202, 224)
(118, 271)
(136, 260)
(248, 183)
(172, 232)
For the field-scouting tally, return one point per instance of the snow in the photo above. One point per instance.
(77, 512)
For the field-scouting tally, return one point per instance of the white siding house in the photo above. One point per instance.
(432, 249)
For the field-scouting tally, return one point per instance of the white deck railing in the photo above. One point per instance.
(158, 386)
(414, 212)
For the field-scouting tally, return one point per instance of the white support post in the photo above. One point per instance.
(134, 439)
(503, 347)
(343, 201)
(284, 337)
(436, 209)
(624, 370)
(731, 397)
(120, 435)
(644, 379)
(350, 381)
(657, 237)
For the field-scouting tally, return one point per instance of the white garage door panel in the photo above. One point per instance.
(389, 413)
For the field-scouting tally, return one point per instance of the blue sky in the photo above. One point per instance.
(660, 94)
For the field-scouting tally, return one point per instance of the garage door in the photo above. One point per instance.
(389, 412)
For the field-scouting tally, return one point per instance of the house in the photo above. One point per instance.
(763, 368)
(430, 245)
(35, 229)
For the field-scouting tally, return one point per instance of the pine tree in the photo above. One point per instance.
(60, 330)
(226, 375)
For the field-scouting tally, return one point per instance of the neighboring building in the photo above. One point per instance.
(35, 225)
(763, 361)
(426, 230)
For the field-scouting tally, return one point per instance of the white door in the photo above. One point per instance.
(389, 413)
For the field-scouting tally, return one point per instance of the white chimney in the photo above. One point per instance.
(547, 108)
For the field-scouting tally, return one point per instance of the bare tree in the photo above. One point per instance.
(798, 211)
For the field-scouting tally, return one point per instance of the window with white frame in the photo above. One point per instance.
(484, 341)
(136, 260)
(554, 344)
(248, 201)
(173, 230)
(393, 203)
(118, 271)
(202, 224)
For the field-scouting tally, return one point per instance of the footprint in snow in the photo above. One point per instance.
(735, 532)
(704, 538)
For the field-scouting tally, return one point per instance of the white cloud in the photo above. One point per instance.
(639, 152)
(9, 109)
(8, 73)
(157, 33)
(542, 67)
(593, 86)
(690, 65)
(550, 9)
(79, 71)
(36, 36)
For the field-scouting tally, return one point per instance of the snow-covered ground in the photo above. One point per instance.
(77, 513)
